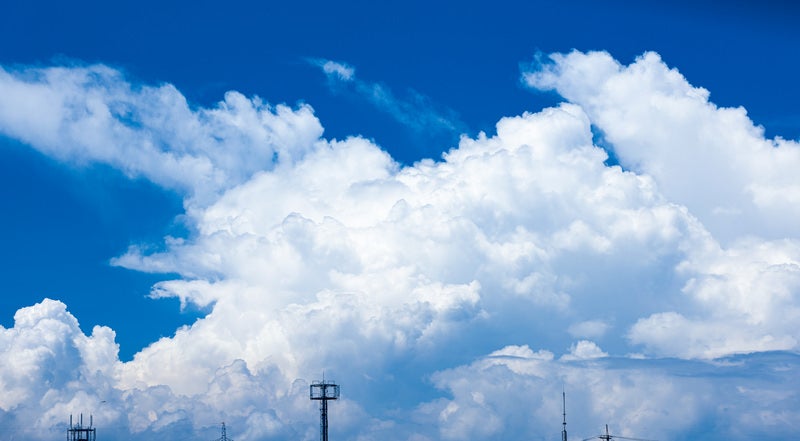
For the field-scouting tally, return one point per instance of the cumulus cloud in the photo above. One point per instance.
(717, 163)
(713, 160)
(747, 295)
(410, 259)
(313, 254)
(519, 391)
(93, 114)
(584, 350)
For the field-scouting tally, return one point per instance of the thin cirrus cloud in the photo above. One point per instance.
(480, 285)
(414, 111)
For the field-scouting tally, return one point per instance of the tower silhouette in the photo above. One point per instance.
(224, 434)
(564, 412)
(323, 392)
(79, 432)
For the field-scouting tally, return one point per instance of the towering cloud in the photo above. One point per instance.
(471, 289)
(713, 160)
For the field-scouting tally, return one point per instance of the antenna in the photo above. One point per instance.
(223, 436)
(608, 437)
(324, 391)
(564, 408)
(77, 432)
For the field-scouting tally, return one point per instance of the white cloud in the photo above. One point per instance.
(340, 70)
(739, 294)
(48, 358)
(651, 399)
(713, 160)
(414, 110)
(406, 259)
(93, 114)
(748, 295)
(333, 257)
(335, 71)
(584, 350)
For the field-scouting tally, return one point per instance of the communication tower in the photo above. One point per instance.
(609, 437)
(564, 409)
(79, 432)
(323, 391)
(224, 435)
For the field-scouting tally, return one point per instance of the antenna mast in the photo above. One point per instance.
(564, 408)
(609, 437)
(79, 432)
(324, 391)
(606, 437)
(224, 434)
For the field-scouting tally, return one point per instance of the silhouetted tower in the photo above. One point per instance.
(606, 437)
(77, 432)
(564, 413)
(323, 392)
(609, 437)
(224, 435)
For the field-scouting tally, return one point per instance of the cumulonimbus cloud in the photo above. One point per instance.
(314, 254)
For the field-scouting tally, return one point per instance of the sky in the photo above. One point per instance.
(456, 211)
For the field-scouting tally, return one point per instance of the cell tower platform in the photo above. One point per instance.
(79, 432)
(324, 392)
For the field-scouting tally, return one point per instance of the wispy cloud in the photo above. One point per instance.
(415, 111)
(340, 71)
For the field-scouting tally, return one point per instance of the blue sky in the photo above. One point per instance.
(316, 196)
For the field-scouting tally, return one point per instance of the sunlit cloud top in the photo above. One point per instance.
(663, 293)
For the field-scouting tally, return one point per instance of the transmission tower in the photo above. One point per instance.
(323, 392)
(564, 409)
(79, 432)
(609, 437)
(224, 435)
